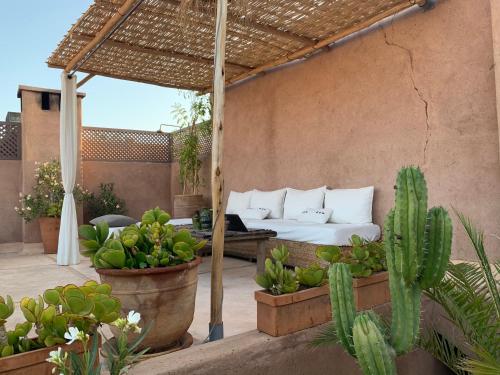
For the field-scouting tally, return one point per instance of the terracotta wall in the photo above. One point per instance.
(141, 185)
(10, 186)
(419, 90)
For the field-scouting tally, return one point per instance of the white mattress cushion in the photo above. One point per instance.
(318, 234)
(315, 215)
(238, 202)
(273, 200)
(350, 206)
(297, 201)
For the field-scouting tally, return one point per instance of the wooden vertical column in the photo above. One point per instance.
(216, 325)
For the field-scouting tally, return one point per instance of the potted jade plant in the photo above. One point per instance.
(153, 268)
(45, 202)
(193, 125)
(292, 301)
(63, 313)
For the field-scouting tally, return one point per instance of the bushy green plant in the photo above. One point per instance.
(155, 243)
(193, 123)
(418, 246)
(364, 257)
(276, 278)
(470, 296)
(47, 196)
(105, 202)
(84, 307)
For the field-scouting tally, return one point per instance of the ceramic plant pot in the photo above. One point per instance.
(185, 206)
(164, 296)
(49, 230)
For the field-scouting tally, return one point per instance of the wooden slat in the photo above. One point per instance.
(85, 80)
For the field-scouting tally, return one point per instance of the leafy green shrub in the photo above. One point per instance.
(155, 243)
(47, 196)
(105, 202)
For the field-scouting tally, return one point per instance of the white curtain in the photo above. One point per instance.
(68, 251)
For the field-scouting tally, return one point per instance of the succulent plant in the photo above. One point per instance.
(84, 307)
(276, 278)
(154, 243)
(6, 310)
(418, 246)
(311, 276)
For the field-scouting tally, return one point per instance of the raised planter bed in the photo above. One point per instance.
(371, 291)
(34, 362)
(288, 313)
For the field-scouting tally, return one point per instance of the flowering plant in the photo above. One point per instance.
(105, 202)
(120, 355)
(47, 196)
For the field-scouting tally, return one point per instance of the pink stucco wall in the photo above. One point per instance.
(419, 90)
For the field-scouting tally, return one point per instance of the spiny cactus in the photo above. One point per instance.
(418, 247)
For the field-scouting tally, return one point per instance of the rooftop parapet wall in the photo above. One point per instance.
(418, 90)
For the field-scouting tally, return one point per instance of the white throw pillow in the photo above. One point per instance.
(315, 215)
(350, 206)
(273, 200)
(255, 213)
(297, 201)
(238, 202)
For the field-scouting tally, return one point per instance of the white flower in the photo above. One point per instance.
(117, 206)
(74, 334)
(55, 356)
(16, 208)
(28, 208)
(46, 195)
(133, 317)
(20, 195)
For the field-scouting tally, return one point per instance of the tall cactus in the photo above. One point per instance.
(418, 247)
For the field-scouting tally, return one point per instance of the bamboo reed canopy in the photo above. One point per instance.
(160, 45)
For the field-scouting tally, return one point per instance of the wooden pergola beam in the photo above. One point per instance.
(158, 52)
(320, 44)
(102, 34)
(85, 80)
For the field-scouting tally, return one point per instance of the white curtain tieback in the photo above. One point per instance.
(71, 193)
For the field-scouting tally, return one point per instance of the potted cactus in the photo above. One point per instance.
(418, 246)
(51, 317)
(152, 268)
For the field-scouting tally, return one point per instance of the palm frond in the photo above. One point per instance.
(486, 364)
(444, 350)
(327, 336)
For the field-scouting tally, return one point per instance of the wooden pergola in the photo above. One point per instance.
(205, 45)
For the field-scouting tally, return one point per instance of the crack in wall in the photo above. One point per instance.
(428, 130)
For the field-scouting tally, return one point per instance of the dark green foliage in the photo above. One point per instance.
(105, 202)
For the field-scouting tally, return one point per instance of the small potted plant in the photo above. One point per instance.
(152, 267)
(291, 301)
(45, 202)
(54, 318)
(192, 125)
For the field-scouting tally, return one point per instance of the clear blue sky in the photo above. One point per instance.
(31, 29)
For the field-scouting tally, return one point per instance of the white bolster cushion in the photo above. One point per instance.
(315, 215)
(255, 213)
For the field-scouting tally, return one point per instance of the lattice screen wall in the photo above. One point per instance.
(107, 144)
(178, 137)
(10, 141)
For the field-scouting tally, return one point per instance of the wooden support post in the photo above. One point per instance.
(216, 326)
(495, 26)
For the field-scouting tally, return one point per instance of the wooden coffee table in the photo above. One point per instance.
(258, 237)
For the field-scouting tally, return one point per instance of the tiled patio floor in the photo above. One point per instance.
(29, 273)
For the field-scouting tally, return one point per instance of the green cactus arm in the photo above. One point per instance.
(437, 247)
(342, 299)
(375, 356)
(409, 222)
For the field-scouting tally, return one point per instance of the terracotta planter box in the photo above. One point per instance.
(34, 362)
(371, 291)
(165, 297)
(288, 313)
(49, 230)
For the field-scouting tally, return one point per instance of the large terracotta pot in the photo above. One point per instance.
(49, 230)
(164, 297)
(186, 205)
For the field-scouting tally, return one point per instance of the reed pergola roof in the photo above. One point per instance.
(159, 44)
